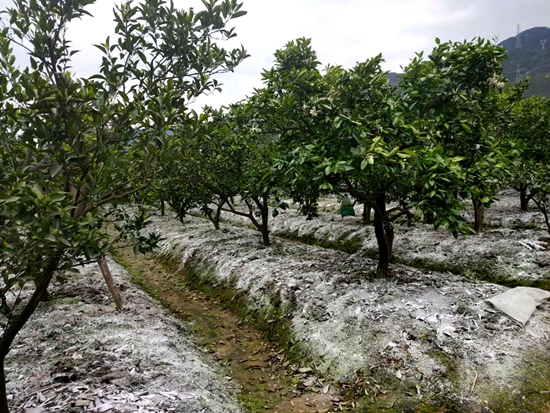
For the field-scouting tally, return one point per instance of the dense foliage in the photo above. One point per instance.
(463, 93)
(530, 132)
(72, 148)
(419, 149)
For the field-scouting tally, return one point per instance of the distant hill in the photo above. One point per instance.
(394, 80)
(533, 62)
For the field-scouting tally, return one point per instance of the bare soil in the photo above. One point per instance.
(266, 380)
(78, 354)
(424, 341)
(418, 338)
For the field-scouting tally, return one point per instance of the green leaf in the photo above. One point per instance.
(10, 199)
(37, 191)
(394, 151)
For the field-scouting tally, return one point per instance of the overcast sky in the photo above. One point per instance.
(343, 31)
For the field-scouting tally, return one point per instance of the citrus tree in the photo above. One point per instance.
(73, 148)
(530, 132)
(225, 164)
(461, 89)
(204, 170)
(350, 132)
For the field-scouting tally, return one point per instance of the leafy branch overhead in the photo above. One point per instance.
(72, 148)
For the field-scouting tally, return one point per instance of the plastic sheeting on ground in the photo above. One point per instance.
(519, 303)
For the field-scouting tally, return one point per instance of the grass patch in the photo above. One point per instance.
(476, 271)
(272, 320)
(520, 225)
(531, 392)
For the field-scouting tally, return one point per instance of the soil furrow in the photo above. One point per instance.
(268, 381)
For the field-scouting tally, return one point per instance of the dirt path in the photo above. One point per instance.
(268, 382)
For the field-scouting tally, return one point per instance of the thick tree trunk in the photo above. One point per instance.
(478, 215)
(367, 211)
(15, 325)
(384, 236)
(104, 267)
(523, 198)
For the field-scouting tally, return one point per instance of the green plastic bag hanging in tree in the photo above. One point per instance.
(346, 208)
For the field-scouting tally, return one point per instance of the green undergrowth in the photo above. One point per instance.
(528, 392)
(402, 395)
(520, 225)
(482, 271)
(431, 405)
(273, 322)
(273, 319)
(137, 277)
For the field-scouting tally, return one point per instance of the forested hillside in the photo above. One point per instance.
(532, 59)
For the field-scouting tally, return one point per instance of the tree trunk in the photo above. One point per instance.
(478, 215)
(523, 197)
(429, 218)
(15, 325)
(384, 236)
(162, 207)
(216, 218)
(3, 393)
(216, 222)
(546, 220)
(265, 225)
(367, 209)
(104, 267)
(542, 206)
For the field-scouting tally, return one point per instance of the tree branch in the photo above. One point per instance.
(114, 198)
